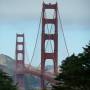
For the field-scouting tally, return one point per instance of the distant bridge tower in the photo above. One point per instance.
(20, 61)
(47, 36)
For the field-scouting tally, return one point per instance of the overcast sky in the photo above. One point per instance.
(72, 11)
(23, 16)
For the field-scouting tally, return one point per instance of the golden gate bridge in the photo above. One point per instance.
(21, 68)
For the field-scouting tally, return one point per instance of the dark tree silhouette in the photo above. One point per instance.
(75, 72)
(6, 82)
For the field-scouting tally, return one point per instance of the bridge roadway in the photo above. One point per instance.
(48, 76)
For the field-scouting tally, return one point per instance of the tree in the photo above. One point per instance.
(6, 82)
(75, 72)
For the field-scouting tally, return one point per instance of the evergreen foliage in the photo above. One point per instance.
(6, 82)
(75, 72)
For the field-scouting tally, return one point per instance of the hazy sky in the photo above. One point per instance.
(22, 16)
(71, 10)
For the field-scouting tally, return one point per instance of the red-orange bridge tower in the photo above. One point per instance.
(48, 36)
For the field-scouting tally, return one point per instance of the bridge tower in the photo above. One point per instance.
(20, 61)
(54, 37)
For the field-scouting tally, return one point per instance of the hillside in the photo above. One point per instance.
(7, 64)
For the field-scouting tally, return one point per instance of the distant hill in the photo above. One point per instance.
(7, 64)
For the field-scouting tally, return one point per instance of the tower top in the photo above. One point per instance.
(49, 6)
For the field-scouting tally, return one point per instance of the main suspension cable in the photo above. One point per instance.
(63, 33)
(36, 39)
